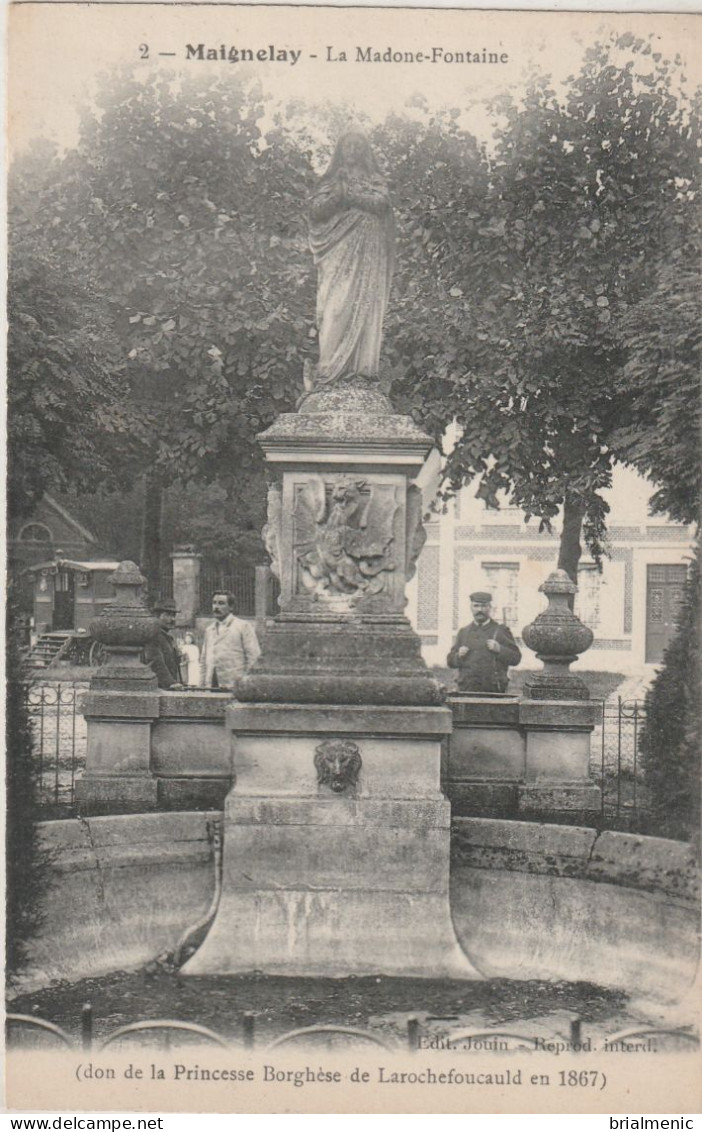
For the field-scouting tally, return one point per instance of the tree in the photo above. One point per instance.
(661, 376)
(193, 226)
(68, 422)
(670, 741)
(542, 262)
(522, 276)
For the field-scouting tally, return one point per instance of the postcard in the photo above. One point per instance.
(353, 481)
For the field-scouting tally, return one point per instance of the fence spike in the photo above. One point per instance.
(86, 1025)
(413, 1033)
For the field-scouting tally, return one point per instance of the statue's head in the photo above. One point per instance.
(353, 152)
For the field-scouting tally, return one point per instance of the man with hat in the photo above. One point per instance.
(483, 651)
(161, 654)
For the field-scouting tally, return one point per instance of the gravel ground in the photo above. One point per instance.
(283, 1004)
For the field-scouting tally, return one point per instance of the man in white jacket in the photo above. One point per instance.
(230, 646)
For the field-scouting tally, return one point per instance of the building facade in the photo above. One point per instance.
(630, 604)
(49, 531)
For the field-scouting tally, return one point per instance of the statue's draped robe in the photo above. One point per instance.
(353, 250)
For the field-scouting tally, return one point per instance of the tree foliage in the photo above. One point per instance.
(543, 298)
(545, 258)
(223, 520)
(69, 423)
(194, 225)
(190, 225)
(660, 376)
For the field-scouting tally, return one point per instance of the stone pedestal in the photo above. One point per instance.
(118, 762)
(336, 834)
(121, 705)
(154, 750)
(336, 846)
(510, 757)
(344, 532)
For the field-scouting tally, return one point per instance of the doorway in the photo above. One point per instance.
(64, 601)
(664, 591)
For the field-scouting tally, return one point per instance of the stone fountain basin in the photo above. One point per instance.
(528, 900)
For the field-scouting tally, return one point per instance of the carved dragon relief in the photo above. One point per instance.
(338, 764)
(344, 534)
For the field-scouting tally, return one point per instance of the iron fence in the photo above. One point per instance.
(617, 768)
(222, 575)
(32, 1031)
(237, 580)
(59, 739)
(165, 587)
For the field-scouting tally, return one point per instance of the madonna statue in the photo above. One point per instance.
(352, 241)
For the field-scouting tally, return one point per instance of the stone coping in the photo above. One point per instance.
(357, 719)
(649, 864)
(114, 703)
(510, 711)
(349, 428)
(197, 705)
(121, 840)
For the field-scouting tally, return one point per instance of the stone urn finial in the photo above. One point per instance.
(123, 628)
(557, 637)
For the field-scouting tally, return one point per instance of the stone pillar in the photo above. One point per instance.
(186, 584)
(336, 836)
(121, 705)
(263, 574)
(518, 758)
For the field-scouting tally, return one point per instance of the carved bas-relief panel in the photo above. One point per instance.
(347, 543)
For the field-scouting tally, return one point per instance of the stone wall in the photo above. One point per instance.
(121, 890)
(532, 901)
(528, 901)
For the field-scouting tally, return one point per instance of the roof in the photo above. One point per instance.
(71, 564)
(88, 535)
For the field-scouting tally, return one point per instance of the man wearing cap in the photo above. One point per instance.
(161, 654)
(483, 651)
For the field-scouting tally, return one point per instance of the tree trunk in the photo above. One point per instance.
(151, 534)
(570, 549)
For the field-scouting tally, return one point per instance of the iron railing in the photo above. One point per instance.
(240, 581)
(616, 766)
(59, 740)
(24, 1030)
(222, 575)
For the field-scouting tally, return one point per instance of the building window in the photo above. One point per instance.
(64, 582)
(502, 580)
(587, 599)
(35, 532)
